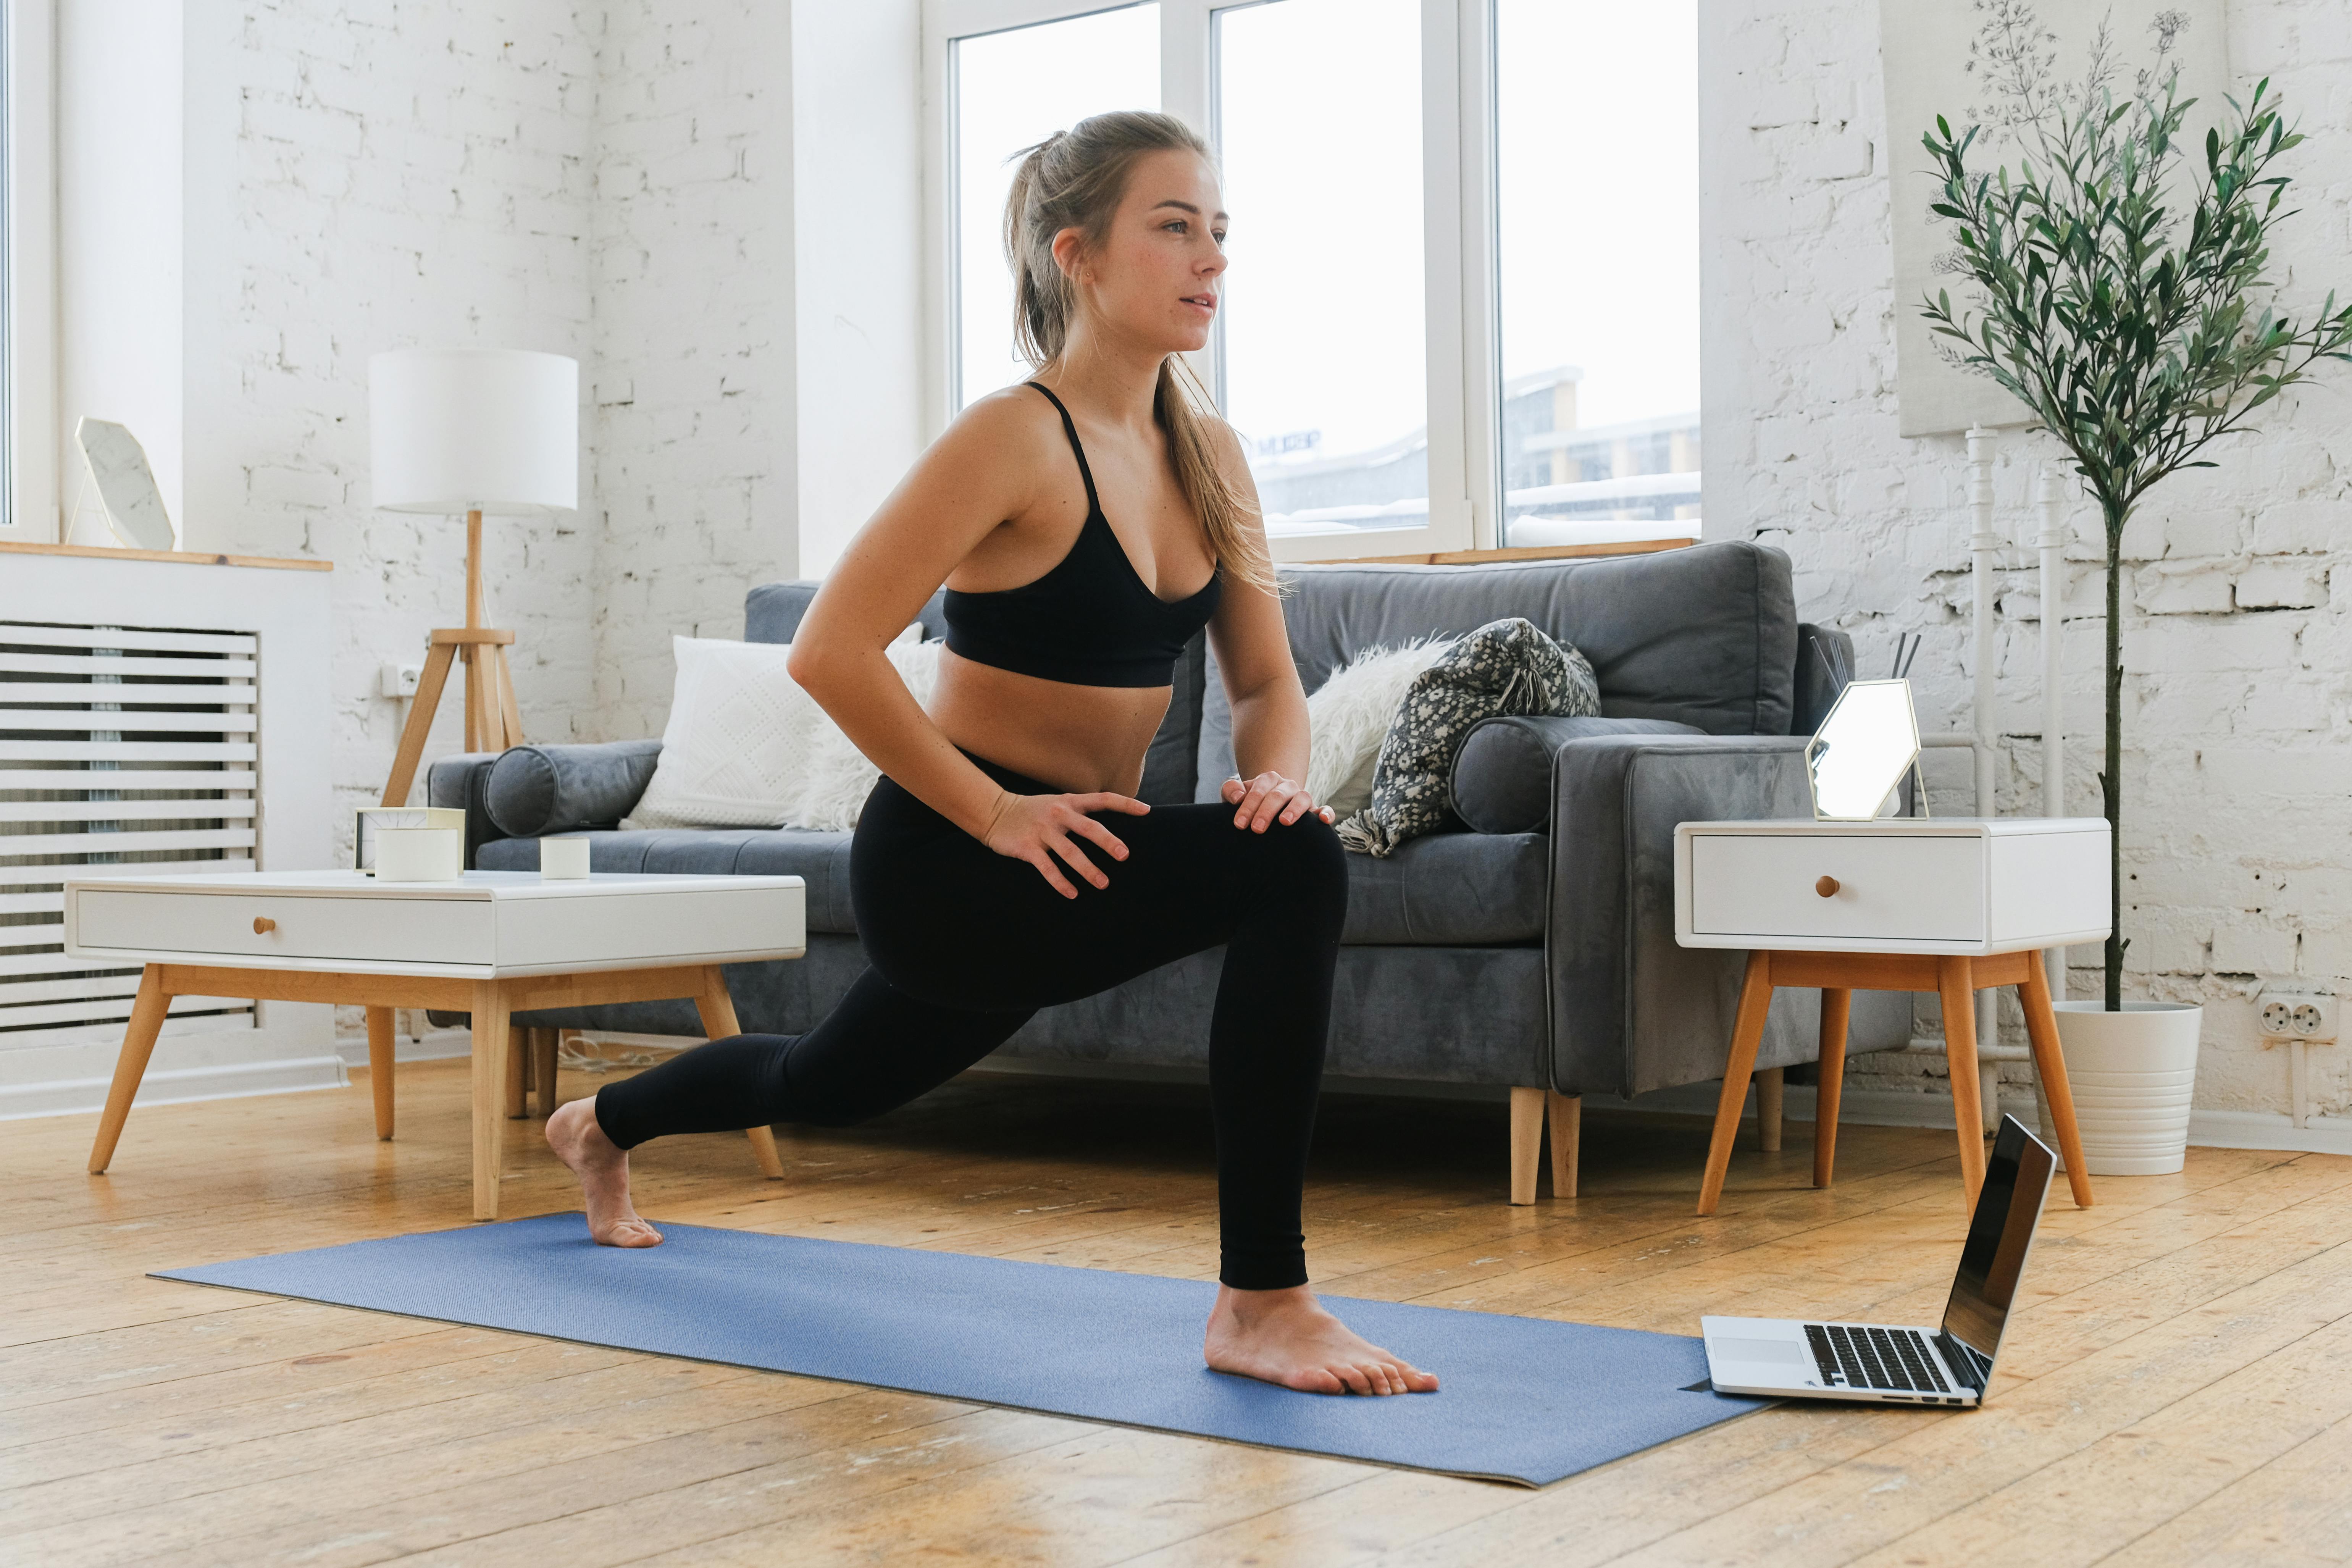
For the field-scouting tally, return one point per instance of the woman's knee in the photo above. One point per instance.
(1304, 862)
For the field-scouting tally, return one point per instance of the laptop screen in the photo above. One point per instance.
(2017, 1178)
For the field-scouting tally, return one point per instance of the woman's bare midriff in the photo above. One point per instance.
(1076, 738)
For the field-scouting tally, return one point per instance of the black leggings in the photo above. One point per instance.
(965, 944)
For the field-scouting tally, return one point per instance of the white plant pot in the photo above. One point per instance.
(2133, 1074)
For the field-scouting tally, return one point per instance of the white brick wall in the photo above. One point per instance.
(697, 464)
(2239, 700)
(387, 177)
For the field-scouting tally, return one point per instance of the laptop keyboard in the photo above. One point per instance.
(1893, 1360)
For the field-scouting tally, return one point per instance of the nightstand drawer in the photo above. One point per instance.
(208, 926)
(1887, 889)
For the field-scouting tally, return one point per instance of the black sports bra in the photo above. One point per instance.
(1090, 621)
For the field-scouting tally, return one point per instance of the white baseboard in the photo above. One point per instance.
(2269, 1129)
(226, 1081)
(433, 1045)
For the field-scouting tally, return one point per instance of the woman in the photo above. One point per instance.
(1000, 864)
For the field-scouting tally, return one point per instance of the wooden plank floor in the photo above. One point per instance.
(2176, 1389)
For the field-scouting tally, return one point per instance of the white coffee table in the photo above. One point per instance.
(492, 944)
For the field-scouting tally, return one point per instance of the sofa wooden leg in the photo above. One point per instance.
(1567, 1129)
(1527, 1142)
(543, 1069)
(517, 1073)
(1768, 1107)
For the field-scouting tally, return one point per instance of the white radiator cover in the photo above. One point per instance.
(206, 684)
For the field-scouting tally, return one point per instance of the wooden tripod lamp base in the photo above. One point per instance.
(493, 722)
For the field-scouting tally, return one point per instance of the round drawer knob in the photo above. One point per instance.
(1827, 887)
(263, 925)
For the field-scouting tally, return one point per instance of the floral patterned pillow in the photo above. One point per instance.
(1506, 667)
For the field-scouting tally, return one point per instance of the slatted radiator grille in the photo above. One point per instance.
(126, 751)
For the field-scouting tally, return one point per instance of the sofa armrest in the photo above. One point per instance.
(1630, 1010)
(1502, 773)
(460, 782)
(536, 790)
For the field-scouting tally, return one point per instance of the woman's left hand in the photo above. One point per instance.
(1268, 798)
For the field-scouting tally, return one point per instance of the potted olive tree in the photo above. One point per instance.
(2123, 298)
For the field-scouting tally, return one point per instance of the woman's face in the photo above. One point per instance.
(1155, 277)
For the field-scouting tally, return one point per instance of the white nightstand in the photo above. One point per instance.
(1949, 905)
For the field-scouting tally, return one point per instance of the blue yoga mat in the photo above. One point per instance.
(1524, 1399)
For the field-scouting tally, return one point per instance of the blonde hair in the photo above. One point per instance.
(1076, 179)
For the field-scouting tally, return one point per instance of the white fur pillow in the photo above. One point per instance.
(746, 747)
(1350, 715)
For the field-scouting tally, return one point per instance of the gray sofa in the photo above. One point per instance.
(1533, 947)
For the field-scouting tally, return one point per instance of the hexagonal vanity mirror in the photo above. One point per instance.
(1859, 755)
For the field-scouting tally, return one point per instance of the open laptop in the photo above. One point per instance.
(1904, 1365)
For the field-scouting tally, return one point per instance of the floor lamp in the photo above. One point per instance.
(486, 432)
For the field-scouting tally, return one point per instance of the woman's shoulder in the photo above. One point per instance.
(1008, 410)
(1013, 425)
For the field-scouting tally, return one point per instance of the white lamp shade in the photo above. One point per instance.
(491, 430)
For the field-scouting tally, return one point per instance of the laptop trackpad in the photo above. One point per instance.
(1771, 1353)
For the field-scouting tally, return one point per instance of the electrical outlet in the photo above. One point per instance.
(400, 680)
(2308, 1015)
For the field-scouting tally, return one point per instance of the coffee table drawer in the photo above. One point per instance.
(1888, 888)
(215, 925)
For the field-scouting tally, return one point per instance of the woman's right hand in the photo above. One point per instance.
(1037, 828)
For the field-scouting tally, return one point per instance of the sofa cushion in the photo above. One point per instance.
(1502, 775)
(1473, 890)
(1705, 636)
(533, 790)
(1450, 888)
(821, 860)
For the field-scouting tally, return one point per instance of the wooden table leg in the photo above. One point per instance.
(1566, 1134)
(1769, 1083)
(147, 1014)
(717, 1011)
(1956, 983)
(542, 1069)
(1837, 1011)
(492, 1024)
(2042, 1028)
(380, 1044)
(1746, 1035)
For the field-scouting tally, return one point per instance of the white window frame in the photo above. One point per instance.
(1458, 226)
(31, 227)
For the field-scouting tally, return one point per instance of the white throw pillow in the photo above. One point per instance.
(837, 778)
(1350, 715)
(746, 747)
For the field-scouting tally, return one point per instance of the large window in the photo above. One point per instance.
(1461, 308)
(1324, 328)
(28, 436)
(1013, 89)
(1597, 251)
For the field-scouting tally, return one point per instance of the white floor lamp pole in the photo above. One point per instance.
(1983, 546)
(2052, 543)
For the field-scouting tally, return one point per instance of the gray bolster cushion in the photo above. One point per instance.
(1502, 775)
(536, 790)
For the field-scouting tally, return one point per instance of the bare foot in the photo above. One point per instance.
(603, 1168)
(1285, 1337)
